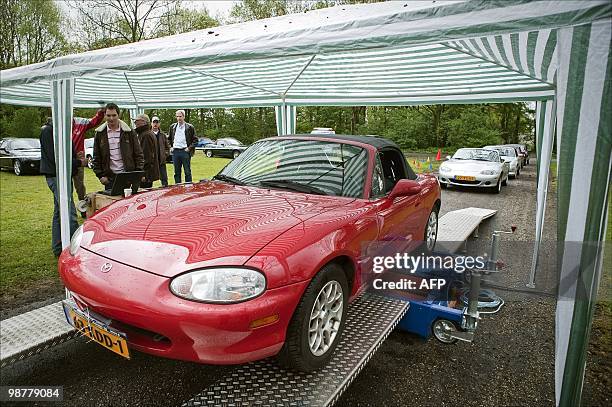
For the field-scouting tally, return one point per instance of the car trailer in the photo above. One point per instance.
(370, 319)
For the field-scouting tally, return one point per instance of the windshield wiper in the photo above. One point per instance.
(292, 185)
(227, 178)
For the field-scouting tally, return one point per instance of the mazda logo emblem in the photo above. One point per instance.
(106, 267)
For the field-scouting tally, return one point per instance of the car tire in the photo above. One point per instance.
(306, 349)
(431, 230)
(497, 188)
(505, 182)
(443, 185)
(236, 153)
(17, 167)
(208, 153)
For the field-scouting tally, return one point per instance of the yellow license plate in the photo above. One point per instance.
(465, 178)
(114, 341)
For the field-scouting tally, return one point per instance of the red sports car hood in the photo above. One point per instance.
(171, 230)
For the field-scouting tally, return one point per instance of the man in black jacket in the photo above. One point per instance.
(48, 168)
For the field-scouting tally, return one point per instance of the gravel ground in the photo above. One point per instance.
(511, 361)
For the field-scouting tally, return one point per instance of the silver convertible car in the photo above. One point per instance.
(475, 167)
(509, 155)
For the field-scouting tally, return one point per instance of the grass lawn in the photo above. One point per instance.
(26, 210)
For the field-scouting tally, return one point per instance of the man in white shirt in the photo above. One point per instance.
(183, 141)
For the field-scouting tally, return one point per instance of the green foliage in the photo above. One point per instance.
(31, 31)
(21, 121)
(179, 20)
(473, 127)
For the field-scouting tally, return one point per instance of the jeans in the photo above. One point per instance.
(56, 237)
(163, 174)
(181, 158)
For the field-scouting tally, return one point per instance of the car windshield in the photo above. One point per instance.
(504, 151)
(478, 154)
(318, 167)
(229, 141)
(25, 144)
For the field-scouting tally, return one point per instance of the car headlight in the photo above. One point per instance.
(219, 285)
(488, 172)
(75, 241)
(444, 168)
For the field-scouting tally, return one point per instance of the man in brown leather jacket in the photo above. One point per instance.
(150, 150)
(116, 148)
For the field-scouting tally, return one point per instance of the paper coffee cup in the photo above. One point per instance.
(127, 192)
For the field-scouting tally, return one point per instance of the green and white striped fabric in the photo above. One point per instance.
(556, 53)
(584, 118)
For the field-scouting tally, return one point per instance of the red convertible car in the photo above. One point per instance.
(261, 260)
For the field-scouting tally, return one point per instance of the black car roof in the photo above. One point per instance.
(375, 141)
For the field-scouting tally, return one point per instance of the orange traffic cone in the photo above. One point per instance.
(439, 155)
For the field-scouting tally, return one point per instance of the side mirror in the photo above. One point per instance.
(405, 187)
(448, 157)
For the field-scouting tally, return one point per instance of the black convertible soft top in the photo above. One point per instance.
(375, 141)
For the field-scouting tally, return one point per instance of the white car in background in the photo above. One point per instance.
(89, 142)
(475, 167)
(509, 155)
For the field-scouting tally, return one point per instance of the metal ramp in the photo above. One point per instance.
(369, 321)
(455, 227)
(32, 332)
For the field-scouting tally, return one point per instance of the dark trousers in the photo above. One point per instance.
(163, 174)
(181, 158)
(56, 237)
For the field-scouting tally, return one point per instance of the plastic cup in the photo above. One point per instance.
(127, 192)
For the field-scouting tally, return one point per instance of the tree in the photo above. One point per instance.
(31, 32)
(177, 20)
(121, 21)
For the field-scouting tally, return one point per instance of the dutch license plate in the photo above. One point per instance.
(96, 331)
(465, 178)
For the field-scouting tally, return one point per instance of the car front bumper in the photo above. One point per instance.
(156, 321)
(480, 180)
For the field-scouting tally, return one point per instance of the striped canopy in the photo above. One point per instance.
(556, 53)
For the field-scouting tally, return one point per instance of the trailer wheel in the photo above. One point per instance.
(442, 328)
(318, 321)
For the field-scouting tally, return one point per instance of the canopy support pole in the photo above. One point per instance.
(545, 128)
(285, 119)
(230, 80)
(132, 90)
(62, 93)
(299, 74)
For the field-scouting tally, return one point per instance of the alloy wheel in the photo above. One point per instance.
(17, 167)
(432, 230)
(325, 318)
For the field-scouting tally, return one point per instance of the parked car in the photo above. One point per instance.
(510, 155)
(475, 167)
(89, 143)
(224, 147)
(203, 142)
(523, 152)
(322, 130)
(22, 155)
(262, 260)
